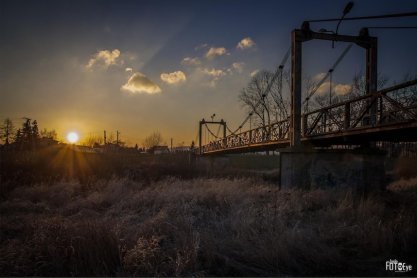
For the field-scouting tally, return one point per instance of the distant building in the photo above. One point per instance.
(46, 141)
(158, 150)
(84, 149)
(181, 149)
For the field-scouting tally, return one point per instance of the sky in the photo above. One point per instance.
(145, 66)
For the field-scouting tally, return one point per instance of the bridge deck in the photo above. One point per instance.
(405, 132)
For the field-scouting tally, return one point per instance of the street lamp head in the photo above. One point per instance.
(348, 8)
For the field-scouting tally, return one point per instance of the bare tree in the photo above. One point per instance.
(7, 130)
(51, 134)
(256, 99)
(280, 95)
(310, 85)
(406, 96)
(359, 84)
(93, 140)
(154, 139)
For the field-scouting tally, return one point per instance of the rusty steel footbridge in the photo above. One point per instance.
(388, 114)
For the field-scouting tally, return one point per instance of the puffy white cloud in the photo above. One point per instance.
(253, 73)
(173, 77)
(214, 72)
(104, 58)
(324, 88)
(245, 43)
(214, 75)
(338, 89)
(139, 83)
(215, 51)
(342, 89)
(238, 67)
(188, 61)
(319, 76)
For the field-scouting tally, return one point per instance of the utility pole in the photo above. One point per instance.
(200, 133)
(171, 144)
(117, 137)
(105, 138)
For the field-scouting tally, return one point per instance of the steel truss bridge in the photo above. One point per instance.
(389, 114)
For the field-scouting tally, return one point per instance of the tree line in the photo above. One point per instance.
(27, 136)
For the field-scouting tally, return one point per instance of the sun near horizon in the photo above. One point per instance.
(72, 137)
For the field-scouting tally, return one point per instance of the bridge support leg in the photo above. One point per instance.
(200, 134)
(372, 76)
(295, 120)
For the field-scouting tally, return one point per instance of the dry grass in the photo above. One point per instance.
(404, 185)
(202, 227)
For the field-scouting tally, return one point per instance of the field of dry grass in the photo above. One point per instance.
(203, 227)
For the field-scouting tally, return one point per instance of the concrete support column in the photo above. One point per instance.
(330, 169)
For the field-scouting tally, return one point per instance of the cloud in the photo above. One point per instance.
(342, 89)
(173, 77)
(324, 88)
(214, 72)
(319, 76)
(245, 43)
(198, 47)
(104, 58)
(253, 73)
(138, 83)
(338, 89)
(128, 69)
(238, 67)
(215, 51)
(188, 61)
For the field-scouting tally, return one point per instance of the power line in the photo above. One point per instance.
(392, 27)
(367, 17)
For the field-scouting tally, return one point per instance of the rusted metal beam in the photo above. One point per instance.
(380, 92)
(364, 111)
(400, 106)
(297, 37)
(334, 120)
(362, 41)
(315, 122)
(371, 75)
(200, 133)
(347, 116)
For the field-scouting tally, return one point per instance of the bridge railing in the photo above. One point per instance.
(395, 104)
(272, 133)
(391, 105)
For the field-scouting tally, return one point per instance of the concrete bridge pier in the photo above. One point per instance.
(308, 169)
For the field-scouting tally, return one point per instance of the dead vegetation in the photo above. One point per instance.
(202, 227)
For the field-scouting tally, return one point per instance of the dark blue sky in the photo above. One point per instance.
(46, 48)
